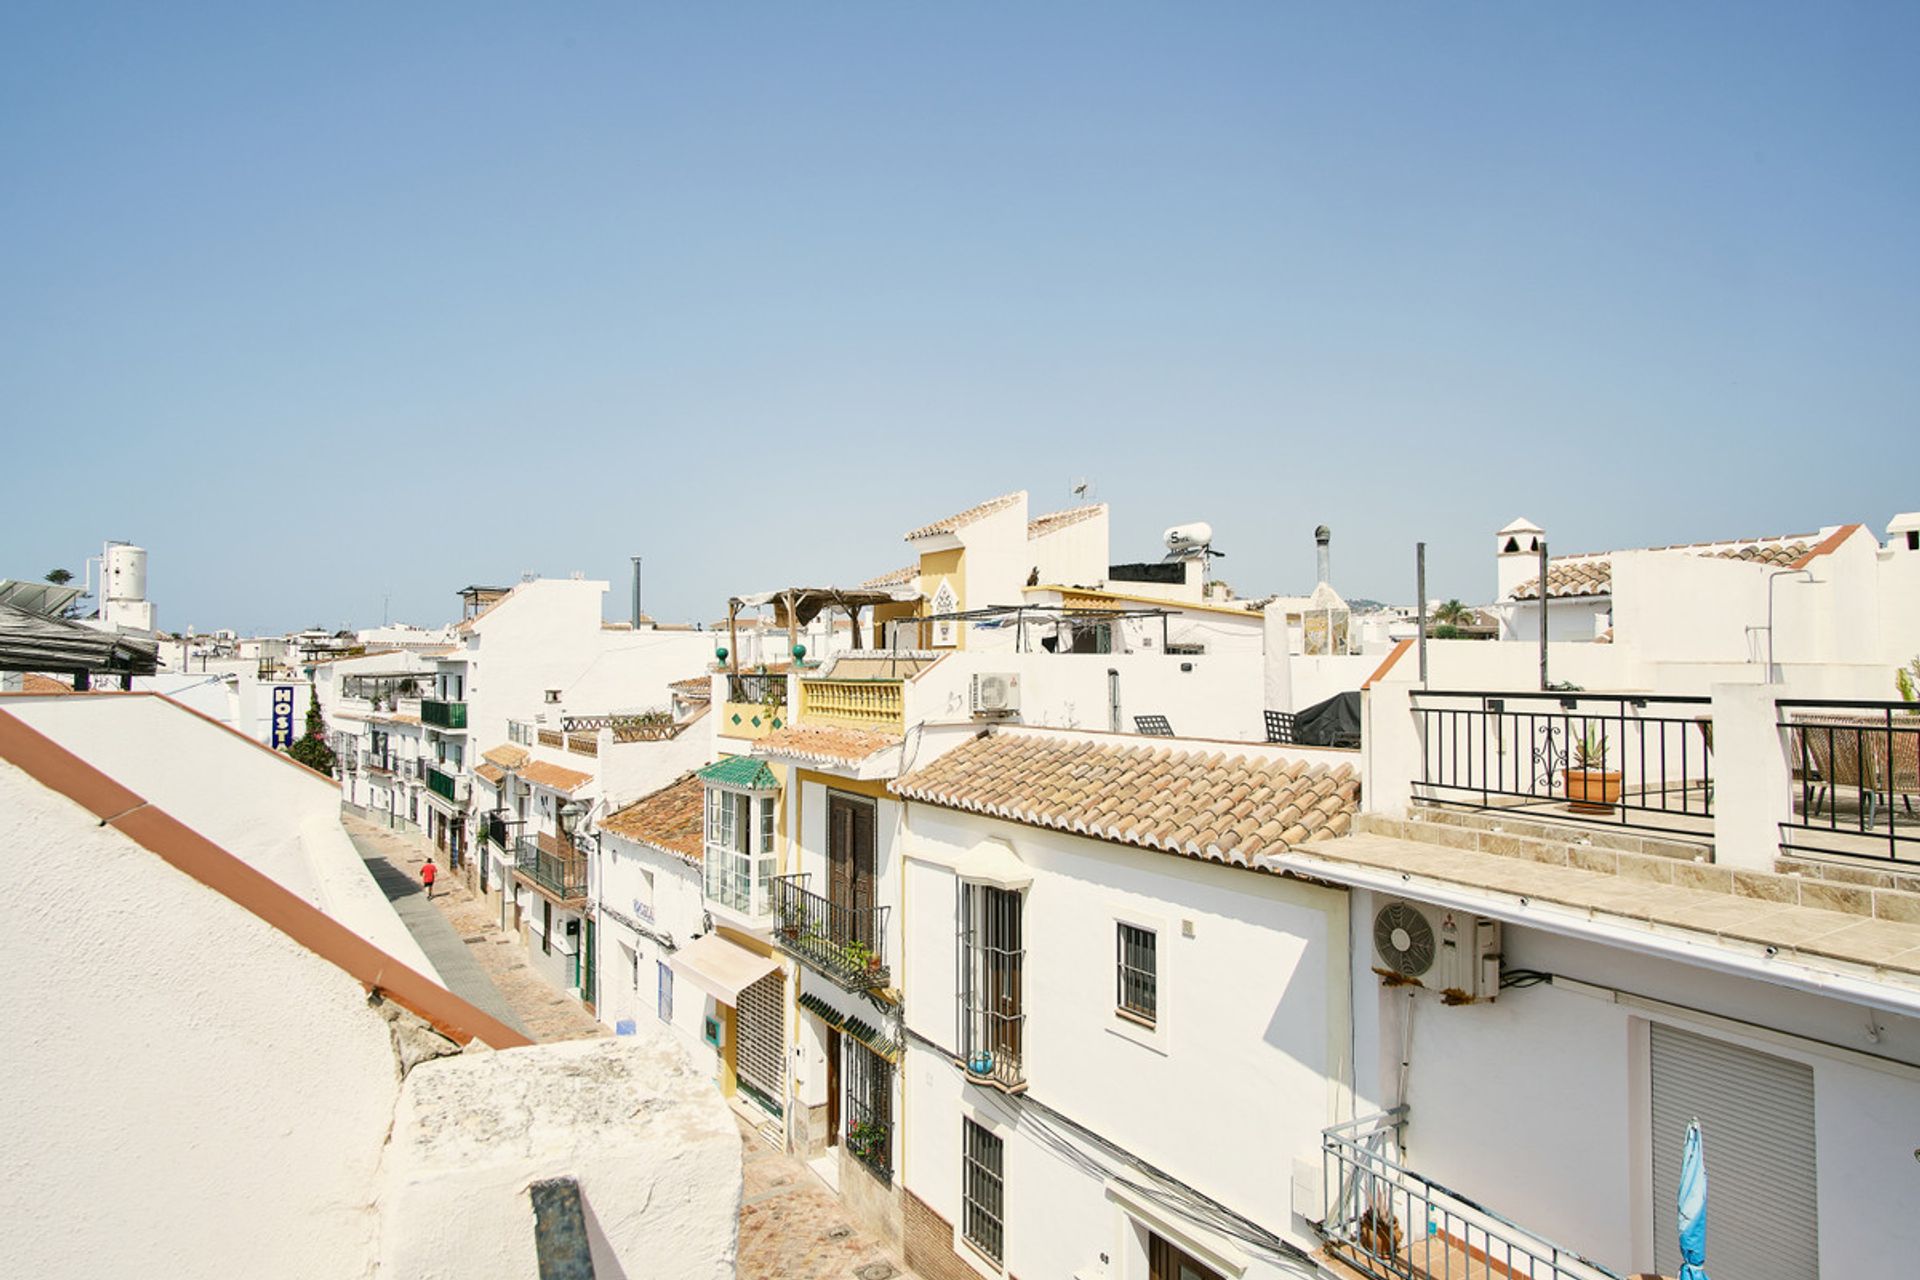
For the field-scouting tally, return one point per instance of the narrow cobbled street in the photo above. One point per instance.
(792, 1227)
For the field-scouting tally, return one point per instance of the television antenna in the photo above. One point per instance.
(1082, 486)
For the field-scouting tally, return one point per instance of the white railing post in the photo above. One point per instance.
(1753, 779)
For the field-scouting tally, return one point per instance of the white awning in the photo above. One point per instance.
(720, 968)
(990, 862)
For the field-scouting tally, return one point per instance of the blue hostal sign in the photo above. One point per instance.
(282, 716)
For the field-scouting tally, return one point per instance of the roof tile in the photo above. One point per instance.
(1187, 802)
(668, 820)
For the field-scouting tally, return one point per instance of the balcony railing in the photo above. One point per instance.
(584, 744)
(1389, 1223)
(1625, 760)
(443, 715)
(1856, 777)
(448, 786)
(496, 831)
(561, 872)
(379, 763)
(858, 702)
(846, 943)
(552, 738)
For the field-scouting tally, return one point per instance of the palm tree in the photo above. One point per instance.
(1454, 614)
(59, 577)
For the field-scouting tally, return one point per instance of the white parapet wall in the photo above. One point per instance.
(653, 1148)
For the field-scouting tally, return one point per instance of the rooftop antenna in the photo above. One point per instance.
(1082, 486)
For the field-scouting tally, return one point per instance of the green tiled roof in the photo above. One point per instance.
(741, 771)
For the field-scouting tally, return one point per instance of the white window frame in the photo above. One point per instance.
(748, 857)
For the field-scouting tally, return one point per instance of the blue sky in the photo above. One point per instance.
(339, 304)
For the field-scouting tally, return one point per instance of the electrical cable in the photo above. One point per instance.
(1045, 1125)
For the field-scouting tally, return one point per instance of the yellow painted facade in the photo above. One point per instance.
(863, 703)
(748, 720)
(949, 567)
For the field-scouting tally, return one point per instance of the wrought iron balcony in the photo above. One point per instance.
(443, 715)
(558, 871)
(846, 943)
(1389, 1223)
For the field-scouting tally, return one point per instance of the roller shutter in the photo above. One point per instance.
(760, 1054)
(1756, 1120)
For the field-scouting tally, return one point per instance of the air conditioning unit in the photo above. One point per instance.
(1442, 950)
(995, 695)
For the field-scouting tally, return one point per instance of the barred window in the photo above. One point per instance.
(1137, 978)
(869, 1108)
(982, 1190)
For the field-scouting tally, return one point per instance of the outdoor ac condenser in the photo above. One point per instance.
(995, 695)
(1450, 952)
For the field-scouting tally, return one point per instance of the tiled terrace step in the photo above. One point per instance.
(1863, 891)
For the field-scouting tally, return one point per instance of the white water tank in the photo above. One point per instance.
(126, 572)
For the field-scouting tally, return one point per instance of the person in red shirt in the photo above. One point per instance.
(427, 873)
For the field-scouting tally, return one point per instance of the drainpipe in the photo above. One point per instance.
(1543, 615)
(1420, 592)
(636, 592)
(1113, 699)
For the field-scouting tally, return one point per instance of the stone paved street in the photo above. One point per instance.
(793, 1228)
(498, 959)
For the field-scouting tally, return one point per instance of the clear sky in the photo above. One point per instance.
(337, 303)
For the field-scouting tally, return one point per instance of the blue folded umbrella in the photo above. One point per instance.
(1692, 1204)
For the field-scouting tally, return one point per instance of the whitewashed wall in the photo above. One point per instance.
(1256, 996)
(1535, 1105)
(247, 1146)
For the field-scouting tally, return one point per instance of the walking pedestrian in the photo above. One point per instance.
(427, 874)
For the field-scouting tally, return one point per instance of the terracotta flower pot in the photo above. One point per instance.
(1592, 790)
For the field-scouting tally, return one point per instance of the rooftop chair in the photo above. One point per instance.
(1279, 726)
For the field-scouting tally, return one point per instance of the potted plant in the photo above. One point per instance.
(1591, 786)
(857, 955)
(867, 1140)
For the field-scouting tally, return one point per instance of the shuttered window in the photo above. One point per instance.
(1756, 1124)
(759, 1058)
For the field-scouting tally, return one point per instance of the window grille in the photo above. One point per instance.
(992, 1015)
(1138, 975)
(983, 1190)
(869, 1135)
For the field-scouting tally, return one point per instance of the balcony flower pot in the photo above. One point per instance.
(1592, 790)
(980, 1064)
(1591, 786)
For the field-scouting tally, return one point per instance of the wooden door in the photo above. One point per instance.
(833, 1086)
(852, 864)
(1168, 1262)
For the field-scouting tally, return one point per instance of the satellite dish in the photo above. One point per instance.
(1081, 488)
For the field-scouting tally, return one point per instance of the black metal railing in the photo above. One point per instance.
(1629, 760)
(869, 1113)
(560, 872)
(1390, 1223)
(1856, 776)
(846, 942)
(496, 831)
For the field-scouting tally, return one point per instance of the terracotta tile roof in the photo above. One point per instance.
(1044, 525)
(507, 756)
(967, 517)
(491, 772)
(827, 744)
(542, 774)
(900, 577)
(1200, 805)
(668, 820)
(1592, 575)
(467, 624)
(34, 682)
